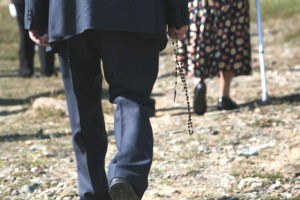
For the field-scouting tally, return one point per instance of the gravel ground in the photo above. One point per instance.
(249, 153)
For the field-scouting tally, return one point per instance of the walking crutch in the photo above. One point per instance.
(261, 53)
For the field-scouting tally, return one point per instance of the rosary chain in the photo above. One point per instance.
(179, 68)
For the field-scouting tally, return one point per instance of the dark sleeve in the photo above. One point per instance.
(177, 13)
(36, 14)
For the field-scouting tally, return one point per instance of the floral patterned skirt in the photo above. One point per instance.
(218, 38)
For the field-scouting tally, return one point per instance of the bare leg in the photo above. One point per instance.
(225, 80)
(196, 81)
(225, 102)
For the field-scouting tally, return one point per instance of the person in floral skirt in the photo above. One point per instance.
(217, 44)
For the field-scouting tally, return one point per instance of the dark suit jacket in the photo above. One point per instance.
(66, 18)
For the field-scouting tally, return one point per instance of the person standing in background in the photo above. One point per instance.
(27, 48)
(217, 43)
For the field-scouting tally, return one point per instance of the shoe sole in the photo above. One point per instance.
(123, 191)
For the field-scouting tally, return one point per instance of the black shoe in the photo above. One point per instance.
(200, 98)
(24, 72)
(26, 75)
(225, 103)
(48, 74)
(120, 189)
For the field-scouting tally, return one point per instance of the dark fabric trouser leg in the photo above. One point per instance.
(82, 81)
(130, 66)
(134, 140)
(47, 62)
(26, 46)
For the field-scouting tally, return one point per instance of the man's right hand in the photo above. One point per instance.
(177, 33)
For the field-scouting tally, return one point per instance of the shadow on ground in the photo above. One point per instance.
(15, 73)
(14, 102)
(292, 98)
(5, 113)
(38, 136)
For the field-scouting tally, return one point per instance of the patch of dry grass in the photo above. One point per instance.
(294, 35)
(276, 9)
(9, 28)
(8, 39)
(283, 12)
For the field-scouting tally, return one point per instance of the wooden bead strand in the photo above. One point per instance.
(179, 68)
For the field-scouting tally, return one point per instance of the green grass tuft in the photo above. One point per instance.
(276, 9)
(270, 176)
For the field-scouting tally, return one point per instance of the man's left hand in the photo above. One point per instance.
(41, 40)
